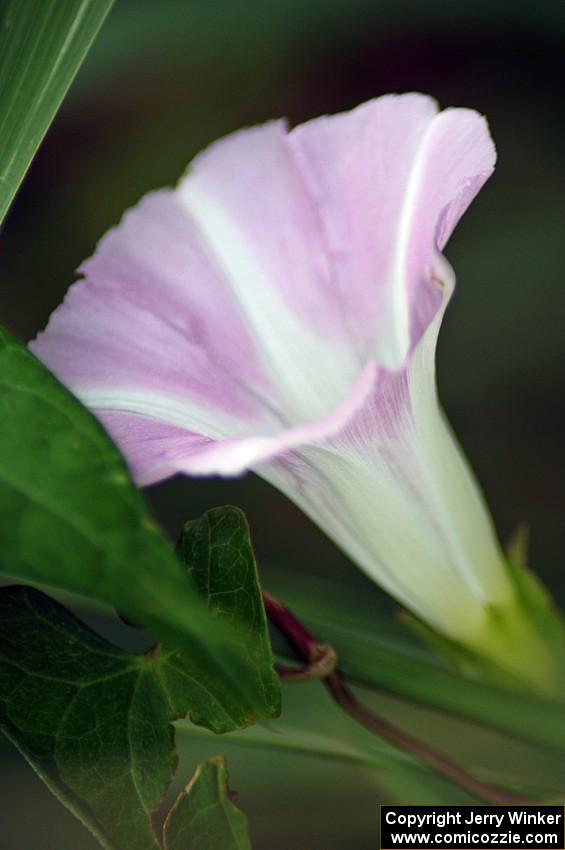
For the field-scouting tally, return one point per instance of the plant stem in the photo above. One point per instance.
(321, 662)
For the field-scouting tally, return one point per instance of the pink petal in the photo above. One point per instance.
(279, 311)
(385, 177)
(247, 305)
(155, 321)
(157, 450)
(248, 198)
(394, 492)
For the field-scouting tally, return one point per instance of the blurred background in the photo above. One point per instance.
(163, 80)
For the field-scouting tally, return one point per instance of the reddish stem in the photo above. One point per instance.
(310, 652)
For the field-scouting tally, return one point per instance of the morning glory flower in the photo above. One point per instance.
(278, 312)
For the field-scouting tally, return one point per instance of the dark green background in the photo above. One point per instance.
(166, 78)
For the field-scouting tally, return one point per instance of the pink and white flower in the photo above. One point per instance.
(278, 312)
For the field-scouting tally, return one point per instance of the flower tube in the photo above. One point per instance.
(278, 311)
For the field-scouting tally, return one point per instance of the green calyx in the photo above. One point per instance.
(521, 644)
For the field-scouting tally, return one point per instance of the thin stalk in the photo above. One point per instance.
(319, 657)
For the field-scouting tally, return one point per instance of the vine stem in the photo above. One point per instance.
(320, 661)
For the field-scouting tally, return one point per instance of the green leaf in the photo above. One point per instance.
(91, 719)
(379, 652)
(312, 727)
(204, 817)
(343, 744)
(216, 551)
(94, 720)
(70, 517)
(42, 45)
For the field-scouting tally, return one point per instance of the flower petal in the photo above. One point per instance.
(157, 450)
(247, 197)
(390, 180)
(243, 307)
(393, 490)
(279, 312)
(154, 329)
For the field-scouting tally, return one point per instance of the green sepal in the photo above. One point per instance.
(522, 645)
